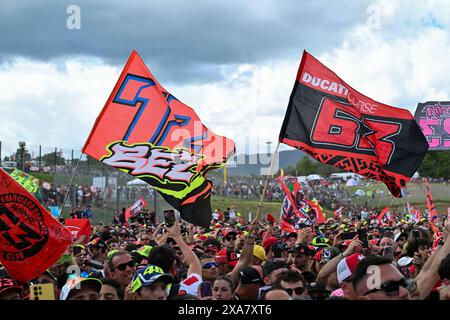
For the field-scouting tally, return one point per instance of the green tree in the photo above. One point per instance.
(306, 166)
(436, 164)
(49, 159)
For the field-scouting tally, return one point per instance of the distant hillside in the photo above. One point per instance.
(252, 164)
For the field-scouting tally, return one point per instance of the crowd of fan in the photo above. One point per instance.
(233, 259)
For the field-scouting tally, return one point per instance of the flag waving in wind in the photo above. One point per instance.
(385, 216)
(337, 125)
(31, 240)
(431, 208)
(145, 131)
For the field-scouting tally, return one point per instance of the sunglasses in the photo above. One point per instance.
(230, 238)
(123, 266)
(298, 290)
(210, 265)
(392, 288)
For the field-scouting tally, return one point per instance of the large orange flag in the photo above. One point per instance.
(145, 131)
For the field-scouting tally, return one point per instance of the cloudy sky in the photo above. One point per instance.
(234, 62)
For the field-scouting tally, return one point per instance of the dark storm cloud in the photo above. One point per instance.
(179, 40)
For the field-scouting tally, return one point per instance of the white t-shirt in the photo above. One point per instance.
(190, 284)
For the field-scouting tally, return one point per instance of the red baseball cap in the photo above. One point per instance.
(347, 266)
(268, 242)
(227, 232)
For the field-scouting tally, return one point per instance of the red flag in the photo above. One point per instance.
(145, 131)
(338, 212)
(270, 218)
(78, 228)
(290, 215)
(337, 125)
(385, 216)
(135, 208)
(320, 218)
(431, 208)
(31, 240)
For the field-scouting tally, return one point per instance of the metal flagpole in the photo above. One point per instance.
(70, 185)
(266, 183)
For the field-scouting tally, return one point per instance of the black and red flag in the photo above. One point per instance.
(31, 240)
(337, 125)
(145, 131)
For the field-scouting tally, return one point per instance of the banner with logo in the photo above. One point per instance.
(30, 183)
(434, 120)
(337, 125)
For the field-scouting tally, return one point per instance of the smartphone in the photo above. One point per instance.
(45, 291)
(362, 236)
(205, 289)
(169, 217)
(348, 235)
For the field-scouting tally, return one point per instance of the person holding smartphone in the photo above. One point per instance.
(194, 275)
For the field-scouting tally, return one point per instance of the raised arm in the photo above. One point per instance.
(331, 266)
(246, 255)
(189, 255)
(428, 276)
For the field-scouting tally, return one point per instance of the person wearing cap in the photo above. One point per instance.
(267, 244)
(302, 256)
(391, 284)
(78, 288)
(47, 277)
(317, 291)
(9, 289)
(250, 280)
(280, 251)
(229, 239)
(345, 269)
(259, 255)
(271, 271)
(150, 283)
(291, 239)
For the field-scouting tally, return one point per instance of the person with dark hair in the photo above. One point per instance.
(210, 269)
(293, 283)
(223, 288)
(111, 290)
(163, 256)
(377, 278)
(250, 280)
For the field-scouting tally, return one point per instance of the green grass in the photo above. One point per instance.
(440, 193)
(417, 196)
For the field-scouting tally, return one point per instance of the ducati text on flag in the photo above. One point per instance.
(339, 126)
